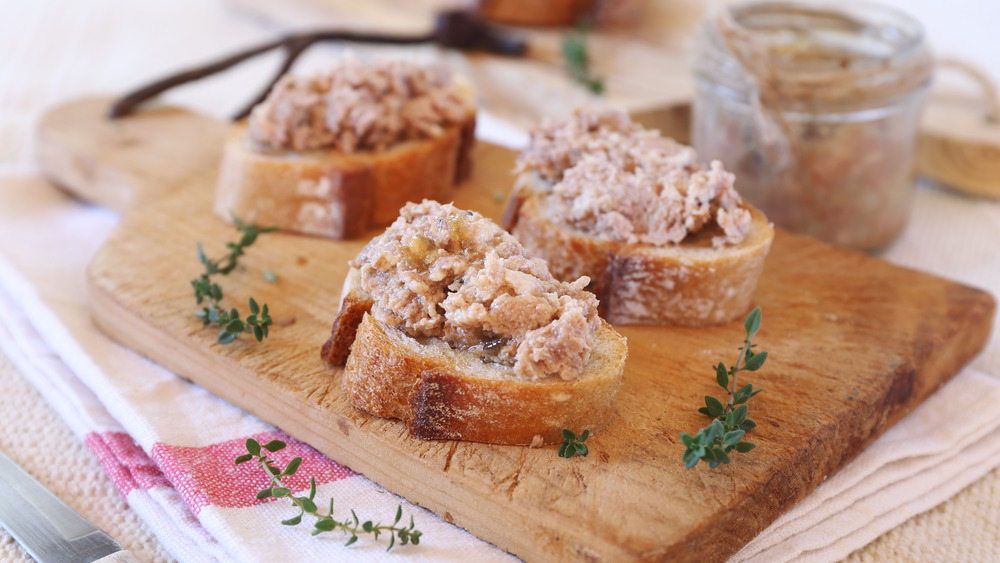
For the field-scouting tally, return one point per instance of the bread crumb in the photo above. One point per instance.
(537, 441)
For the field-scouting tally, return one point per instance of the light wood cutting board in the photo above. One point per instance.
(855, 343)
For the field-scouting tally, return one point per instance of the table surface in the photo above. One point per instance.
(55, 49)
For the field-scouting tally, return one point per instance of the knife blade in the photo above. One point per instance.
(48, 529)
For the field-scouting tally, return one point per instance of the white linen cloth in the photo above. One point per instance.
(157, 434)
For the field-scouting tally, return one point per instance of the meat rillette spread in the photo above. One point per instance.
(359, 106)
(610, 178)
(442, 272)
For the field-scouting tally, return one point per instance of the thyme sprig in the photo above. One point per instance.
(307, 504)
(572, 445)
(713, 443)
(574, 49)
(230, 322)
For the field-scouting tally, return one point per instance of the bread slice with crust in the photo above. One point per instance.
(448, 324)
(444, 393)
(687, 284)
(328, 193)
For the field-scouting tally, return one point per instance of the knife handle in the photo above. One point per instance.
(123, 556)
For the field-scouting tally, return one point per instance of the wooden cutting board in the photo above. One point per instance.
(855, 343)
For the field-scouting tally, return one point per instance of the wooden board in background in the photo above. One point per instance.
(854, 344)
(125, 162)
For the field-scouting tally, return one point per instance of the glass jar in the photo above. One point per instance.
(815, 109)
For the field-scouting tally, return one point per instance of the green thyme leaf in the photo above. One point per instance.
(714, 405)
(326, 524)
(755, 362)
(722, 375)
(253, 447)
(577, 57)
(713, 443)
(205, 289)
(307, 504)
(743, 395)
(293, 466)
(572, 445)
(274, 446)
(740, 414)
(752, 323)
(732, 437)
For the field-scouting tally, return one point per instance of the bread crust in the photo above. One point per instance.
(354, 303)
(687, 284)
(443, 393)
(336, 195)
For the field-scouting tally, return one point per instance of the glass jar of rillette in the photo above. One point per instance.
(815, 109)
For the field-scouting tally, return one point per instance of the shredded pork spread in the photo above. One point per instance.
(359, 106)
(441, 272)
(614, 180)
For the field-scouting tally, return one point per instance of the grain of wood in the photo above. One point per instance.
(855, 343)
(123, 162)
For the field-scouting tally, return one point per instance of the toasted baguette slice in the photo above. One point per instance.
(443, 393)
(354, 303)
(687, 284)
(336, 195)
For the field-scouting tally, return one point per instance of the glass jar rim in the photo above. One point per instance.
(853, 53)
